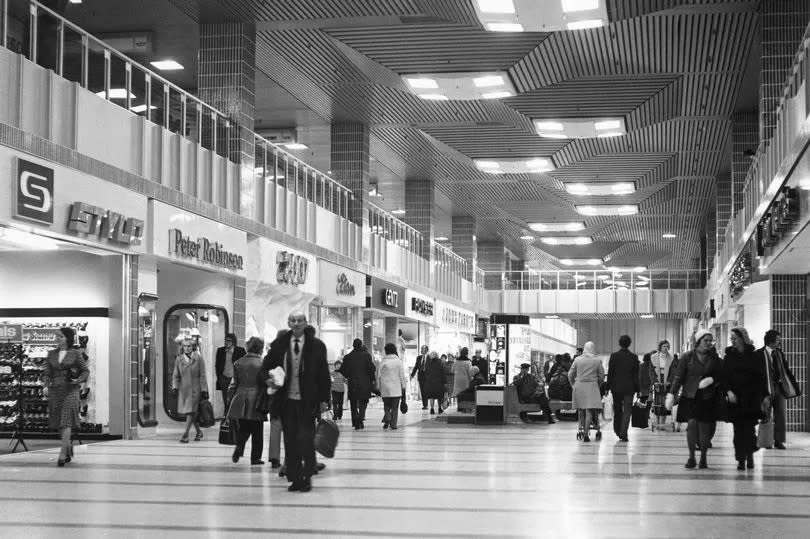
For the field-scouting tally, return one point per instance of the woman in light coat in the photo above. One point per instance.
(246, 389)
(190, 385)
(462, 372)
(586, 375)
(391, 381)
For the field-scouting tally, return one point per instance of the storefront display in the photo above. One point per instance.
(337, 310)
(455, 328)
(385, 300)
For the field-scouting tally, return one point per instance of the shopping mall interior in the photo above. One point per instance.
(559, 248)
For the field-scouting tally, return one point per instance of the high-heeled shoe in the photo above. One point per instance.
(198, 437)
(184, 440)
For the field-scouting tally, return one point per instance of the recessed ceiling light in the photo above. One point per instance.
(496, 6)
(398, 212)
(141, 108)
(557, 227)
(607, 124)
(497, 95)
(610, 135)
(487, 81)
(668, 236)
(582, 25)
(549, 126)
(434, 97)
(515, 166)
(527, 237)
(296, 146)
(441, 238)
(504, 27)
(573, 240)
(600, 189)
(167, 65)
(616, 269)
(647, 316)
(75, 1)
(116, 93)
(552, 316)
(570, 6)
(608, 209)
(423, 83)
(580, 261)
(487, 165)
(580, 127)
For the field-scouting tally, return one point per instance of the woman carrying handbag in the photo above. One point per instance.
(248, 397)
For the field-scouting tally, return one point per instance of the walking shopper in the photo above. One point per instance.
(435, 380)
(65, 371)
(338, 391)
(359, 370)
(697, 372)
(303, 396)
(418, 370)
(223, 365)
(780, 384)
(246, 389)
(623, 381)
(744, 379)
(189, 385)
(461, 372)
(586, 375)
(391, 381)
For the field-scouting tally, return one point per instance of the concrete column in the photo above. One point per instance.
(782, 26)
(789, 317)
(744, 143)
(465, 242)
(227, 81)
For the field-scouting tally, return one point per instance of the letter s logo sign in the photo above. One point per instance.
(35, 192)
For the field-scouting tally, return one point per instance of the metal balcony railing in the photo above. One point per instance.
(450, 269)
(53, 42)
(689, 279)
(388, 227)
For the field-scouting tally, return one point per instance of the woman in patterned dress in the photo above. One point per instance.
(65, 371)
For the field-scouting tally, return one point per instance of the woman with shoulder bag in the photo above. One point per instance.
(745, 383)
(248, 394)
(699, 373)
(65, 371)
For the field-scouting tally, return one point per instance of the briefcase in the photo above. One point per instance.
(227, 434)
(326, 437)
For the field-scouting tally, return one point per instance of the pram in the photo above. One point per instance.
(659, 411)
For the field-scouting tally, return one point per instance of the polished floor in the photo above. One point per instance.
(427, 479)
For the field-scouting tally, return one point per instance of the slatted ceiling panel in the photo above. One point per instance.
(626, 9)
(588, 98)
(593, 250)
(479, 142)
(680, 43)
(295, 10)
(664, 105)
(713, 93)
(460, 11)
(439, 48)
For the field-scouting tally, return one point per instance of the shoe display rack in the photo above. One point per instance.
(11, 392)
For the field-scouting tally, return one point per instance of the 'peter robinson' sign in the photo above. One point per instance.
(203, 250)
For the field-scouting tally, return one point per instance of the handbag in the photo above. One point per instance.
(227, 432)
(326, 437)
(765, 435)
(640, 416)
(607, 407)
(205, 414)
(403, 406)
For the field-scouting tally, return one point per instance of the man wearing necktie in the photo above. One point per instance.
(771, 354)
(303, 397)
(420, 373)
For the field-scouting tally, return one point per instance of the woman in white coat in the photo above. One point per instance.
(586, 375)
(391, 381)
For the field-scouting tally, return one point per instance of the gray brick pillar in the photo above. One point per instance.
(789, 317)
(239, 302)
(744, 143)
(420, 212)
(227, 81)
(350, 167)
(723, 207)
(782, 26)
(492, 259)
(465, 242)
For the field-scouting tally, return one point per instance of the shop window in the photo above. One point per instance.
(206, 326)
(147, 396)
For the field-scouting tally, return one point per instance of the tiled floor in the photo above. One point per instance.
(427, 479)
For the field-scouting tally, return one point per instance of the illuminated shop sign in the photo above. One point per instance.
(385, 296)
(390, 297)
(203, 250)
(105, 224)
(422, 306)
(291, 268)
(452, 317)
(34, 193)
(344, 286)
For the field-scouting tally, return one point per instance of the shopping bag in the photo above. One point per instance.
(640, 417)
(205, 414)
(227, 432)
(607, 407)
(326, 437)
(403, 406)
(765, 435)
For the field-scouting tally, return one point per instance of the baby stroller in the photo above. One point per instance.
(659, 411)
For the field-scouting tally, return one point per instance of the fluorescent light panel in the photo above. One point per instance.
(580, 261)
(296, 146)
(116, 93)
(398, 212)
(441, 238)
(580, 127)
(636, 269)
(584, 25)
(504, 27)
(141, 108)
(668, 236)
(570, 6)
(557, 227)
(600, 188)
(540, 15)
(460, 86)
(567, 240)
(167, 65)
(514, 166)
(527, 237)
(608, 209)
(496, 6)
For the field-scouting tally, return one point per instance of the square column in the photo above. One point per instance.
(492, 259)
(789, 317)
(465, 242)
(744, 143)
(420, 212)
(391, 331)
(350, 166)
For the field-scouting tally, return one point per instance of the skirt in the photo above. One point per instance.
(63, 407)
(702, 410)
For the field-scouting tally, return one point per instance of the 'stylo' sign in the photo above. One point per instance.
(95, 221)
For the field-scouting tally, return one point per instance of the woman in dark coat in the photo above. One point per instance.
(65, 371)
(435, 381)
(745, 382)
(699, 374)
(246, 389)
(359, 370)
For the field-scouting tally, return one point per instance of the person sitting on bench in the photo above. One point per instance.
(468, 395)
(531, 391)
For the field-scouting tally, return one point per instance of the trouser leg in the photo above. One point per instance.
(705, 431)
(692, 436)
(618, 409)
(779, 417)
(394, 411)
(306, 441)
(275, 439)
(362, 409)
(422, 393)
(354, 408)
(292, 453)
(627, 414)
(244, 432)
(739, 444)
(256, 441)
(386, 409)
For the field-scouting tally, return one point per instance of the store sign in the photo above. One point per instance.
(783, 214)
(420, 307)
(204, 251)
(344, 286)
(34, 193)
(386, 296)
(105, 224)
(291, 268)
(452, 317)
(11, 333)
(41, 336)
(340, 286)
